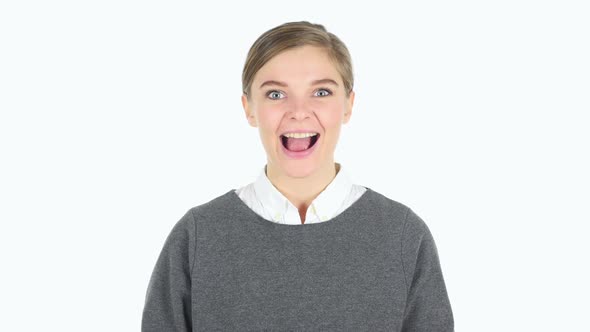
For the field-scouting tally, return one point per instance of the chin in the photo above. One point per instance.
(295, 171)
(297, 168)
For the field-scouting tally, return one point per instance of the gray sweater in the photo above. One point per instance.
(374, 267)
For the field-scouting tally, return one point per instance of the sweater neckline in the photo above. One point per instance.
(335, 220)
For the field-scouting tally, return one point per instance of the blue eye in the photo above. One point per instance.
(273, 94)
(328, 92)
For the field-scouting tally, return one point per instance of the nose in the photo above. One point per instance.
(299, 110)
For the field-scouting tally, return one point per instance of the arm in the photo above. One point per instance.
(427, 306)
(168, 299)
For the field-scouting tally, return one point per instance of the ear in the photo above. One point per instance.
(348, 111)
(248, 111)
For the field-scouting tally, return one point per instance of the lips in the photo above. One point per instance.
(312, 141)
(300, 154)
(299, 131)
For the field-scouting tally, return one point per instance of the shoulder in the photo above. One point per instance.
(185, 228)
(383, 202)
(386, 205)
(214, 205)
(210, 211)
(399, 212)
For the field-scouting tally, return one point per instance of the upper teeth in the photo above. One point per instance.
(299, 135)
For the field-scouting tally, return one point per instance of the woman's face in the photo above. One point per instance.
(286, 96)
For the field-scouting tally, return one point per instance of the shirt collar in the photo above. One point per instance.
(325, 205)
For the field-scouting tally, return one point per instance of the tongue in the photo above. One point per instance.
(298, 144)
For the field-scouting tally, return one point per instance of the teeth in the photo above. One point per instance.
(299, 135)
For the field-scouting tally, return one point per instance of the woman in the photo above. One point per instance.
(301, 247)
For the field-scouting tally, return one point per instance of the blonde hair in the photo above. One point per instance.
(295, 34)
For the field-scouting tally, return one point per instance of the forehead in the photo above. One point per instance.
(301, 64)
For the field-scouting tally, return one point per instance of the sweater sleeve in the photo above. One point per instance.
(427, 306)
(168, 298)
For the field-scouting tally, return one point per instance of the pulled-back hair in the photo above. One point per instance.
(295, 34)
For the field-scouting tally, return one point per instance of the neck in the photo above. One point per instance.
(302, 191)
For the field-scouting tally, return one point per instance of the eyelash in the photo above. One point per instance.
(269, 91)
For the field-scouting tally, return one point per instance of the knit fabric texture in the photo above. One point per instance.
(373, 267)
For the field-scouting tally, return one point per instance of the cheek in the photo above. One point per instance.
(331, 117)
(267, 115)
(269, 120)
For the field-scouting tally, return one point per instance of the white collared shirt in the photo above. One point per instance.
(268, 202)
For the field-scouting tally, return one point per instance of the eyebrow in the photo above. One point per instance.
(283, 84)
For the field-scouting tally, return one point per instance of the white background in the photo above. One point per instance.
(118, 116)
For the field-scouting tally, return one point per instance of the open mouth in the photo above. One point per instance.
(299, 144)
